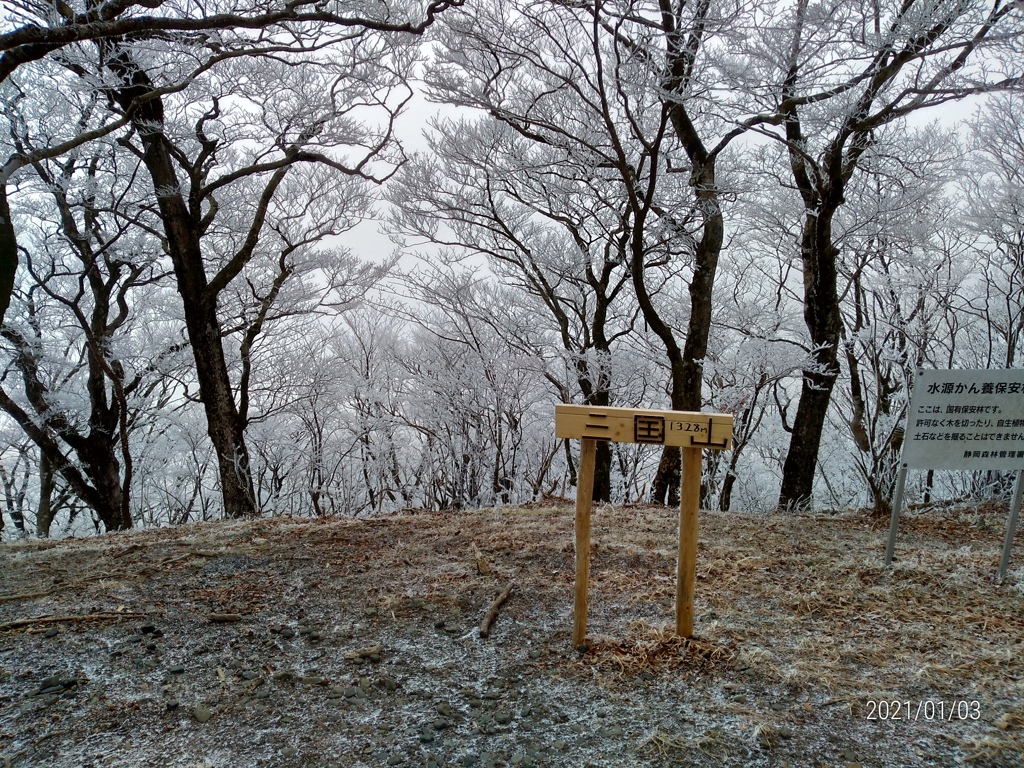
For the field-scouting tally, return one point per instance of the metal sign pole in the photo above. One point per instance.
(1011, 523)
(897, 505)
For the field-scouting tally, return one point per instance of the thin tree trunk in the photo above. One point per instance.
(603, 471)
(18, 512)
(668, 477)
(597, 394)
(573, 478)
(725, 499)
(7, 497)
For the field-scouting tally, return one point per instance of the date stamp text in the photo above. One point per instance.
(951, 710)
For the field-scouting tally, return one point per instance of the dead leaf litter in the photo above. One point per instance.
(340, 642)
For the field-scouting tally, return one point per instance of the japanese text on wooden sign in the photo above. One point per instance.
(966, 420)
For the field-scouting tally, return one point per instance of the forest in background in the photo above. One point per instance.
(779, 210)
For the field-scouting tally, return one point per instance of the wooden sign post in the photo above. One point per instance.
(692, 432)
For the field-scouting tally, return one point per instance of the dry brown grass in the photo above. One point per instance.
(791, 609)
(655, 649)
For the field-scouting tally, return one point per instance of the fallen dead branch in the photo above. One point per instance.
(662, 742)
(18, 623)
(128, 551)
(176, 559)
(492, 612)
(24, 596)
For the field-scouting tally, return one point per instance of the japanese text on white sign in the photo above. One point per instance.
(966, 420)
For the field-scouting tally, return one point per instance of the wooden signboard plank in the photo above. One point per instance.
(631, 425)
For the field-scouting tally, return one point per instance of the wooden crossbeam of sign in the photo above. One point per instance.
(630, 425)
(692, 432)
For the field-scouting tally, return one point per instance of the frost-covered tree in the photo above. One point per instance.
(221, 106)
(899, 242)
(73, 373)
(994, 192)
(32, 31)
(838, 74)
(539, 221)
(615, 96)
(479, 393)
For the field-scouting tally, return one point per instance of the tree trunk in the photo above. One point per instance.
(603, 471)
(668, 478)
(98, 451)
(18, 511)
(822, 316)
(222, 420)
(880, 497)
(596, 393)
(725, 499)
(8, 251)
(224, 424)
(687, 364)
(45, 511)
(102, 468)
(802, 457)
(573, 478)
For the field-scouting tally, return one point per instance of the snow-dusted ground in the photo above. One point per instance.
(800, 633)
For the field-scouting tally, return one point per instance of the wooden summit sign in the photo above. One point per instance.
(692, 432)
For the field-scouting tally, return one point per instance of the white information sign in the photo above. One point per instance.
(966, 420)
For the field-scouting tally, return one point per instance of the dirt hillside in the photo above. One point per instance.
(339, 642)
